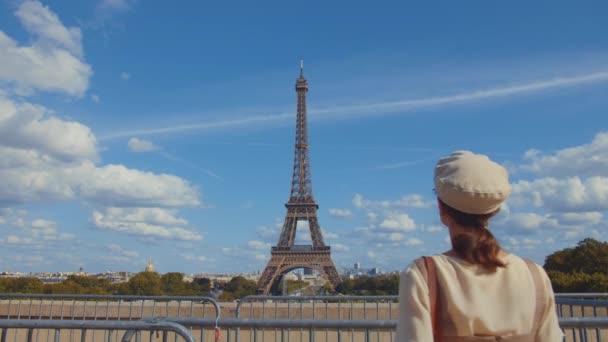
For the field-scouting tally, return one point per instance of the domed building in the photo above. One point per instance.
(149, 266)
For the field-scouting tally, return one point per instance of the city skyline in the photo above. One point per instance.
(131, 130)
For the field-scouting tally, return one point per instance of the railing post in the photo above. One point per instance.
(29, 334)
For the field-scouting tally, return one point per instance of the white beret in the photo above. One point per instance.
(471, 183)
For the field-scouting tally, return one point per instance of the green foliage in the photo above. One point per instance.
(145, 284)
(142, 284)
(327, 288)
(21, 285)
(578, 282)
(583, 268)
(589, 256)
(370, 286)
(293, 285)
(238, 287)
(172, 284)
(200, 286)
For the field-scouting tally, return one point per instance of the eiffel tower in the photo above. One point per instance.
(301, 207)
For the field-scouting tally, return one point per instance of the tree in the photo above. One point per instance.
(238, 287)
(88, 284)
(583, 268)
(172, 284)
(145, 284)
(201, 286)
(589, 256)
(25, 285)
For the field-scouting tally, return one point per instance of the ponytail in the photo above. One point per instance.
(476, 244)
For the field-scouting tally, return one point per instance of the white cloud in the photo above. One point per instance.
(340, 213)
(150, 222)
(406, 201)
(329, 235)
(576, 219)
(435, 229)
(116, 185)
(117, 250)
(33, 176)
(31, 260)
(141, 145)
(268, 233)
(43, 224)
(513, 244)
(258, 245)
(115, 4)
(413, 242)
(399, 222)
(358, 201)
(38, 233)
(372, 217)
(528, 222)
(192, 257)
(31, 127)
(41, 22)
(563, 195)
(582, 161)
(125, 76)
(563, 225)
(338, 247)
(53, 61)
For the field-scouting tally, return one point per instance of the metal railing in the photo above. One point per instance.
(104, 307)
(269, 318)
(252, 329)
(574, 309)
(384, 307)
(266, 330)
(312, 307)
(81, 330)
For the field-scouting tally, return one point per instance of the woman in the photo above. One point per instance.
(475, 291)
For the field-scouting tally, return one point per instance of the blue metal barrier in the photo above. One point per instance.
(88, 328)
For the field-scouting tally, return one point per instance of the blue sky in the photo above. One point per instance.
(133, 129)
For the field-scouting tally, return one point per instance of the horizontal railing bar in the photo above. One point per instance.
(321, 298)
(113, 297)
(582, 294)
(583, 322)
(132, 298)
(585, 302)
(97, 325)
(284, 323)
(569, 322)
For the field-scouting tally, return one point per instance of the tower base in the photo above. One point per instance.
(285, 259)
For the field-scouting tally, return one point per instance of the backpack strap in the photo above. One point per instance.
(540, 300)
(426, 265)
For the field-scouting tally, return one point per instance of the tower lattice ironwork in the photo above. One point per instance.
(301, 207)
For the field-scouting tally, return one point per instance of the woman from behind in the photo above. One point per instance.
(475, 291)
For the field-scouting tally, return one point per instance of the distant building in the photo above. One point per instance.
(149, 266)
(358, 271)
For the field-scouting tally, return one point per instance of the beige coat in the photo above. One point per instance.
(475, 302)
